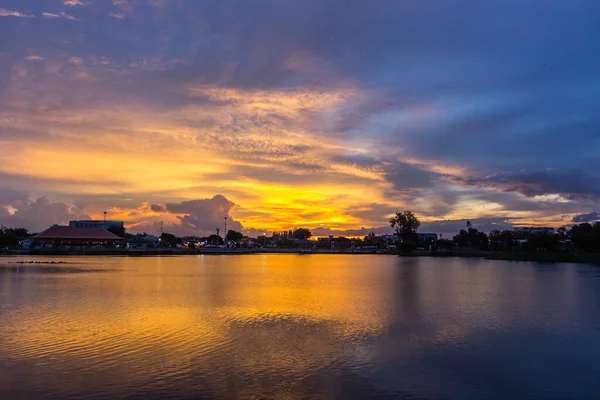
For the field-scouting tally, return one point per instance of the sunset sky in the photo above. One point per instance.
(325, 114)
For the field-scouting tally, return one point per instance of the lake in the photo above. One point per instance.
(297, 326)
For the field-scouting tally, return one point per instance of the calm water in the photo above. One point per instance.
(286, 326)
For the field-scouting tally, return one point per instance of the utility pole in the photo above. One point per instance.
(104, 219)
(225, 234)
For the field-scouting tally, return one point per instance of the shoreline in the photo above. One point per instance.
(170, 252)
(577, 258)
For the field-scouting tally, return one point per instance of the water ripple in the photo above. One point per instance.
(335, 327)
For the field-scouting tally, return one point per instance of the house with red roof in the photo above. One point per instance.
(69, 237)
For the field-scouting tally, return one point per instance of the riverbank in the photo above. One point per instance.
(202, 251)
(579, 258)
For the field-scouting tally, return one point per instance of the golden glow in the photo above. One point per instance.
(230, 320)
(197, 308)
(277, 154)
(174, 155)
(162, 312)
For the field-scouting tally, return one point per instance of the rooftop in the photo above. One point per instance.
(96, 220)
(68, 233)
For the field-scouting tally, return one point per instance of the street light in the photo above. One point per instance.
(225, 234)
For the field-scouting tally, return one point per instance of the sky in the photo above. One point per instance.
(325, 114)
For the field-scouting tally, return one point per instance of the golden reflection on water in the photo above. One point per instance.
(269, 312)
(242, 325)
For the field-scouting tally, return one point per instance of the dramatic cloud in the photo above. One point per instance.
(38, 215)
(326, 114)
(569, 184)
(205, 215)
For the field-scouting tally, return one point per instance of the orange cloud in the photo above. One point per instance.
(73, 130)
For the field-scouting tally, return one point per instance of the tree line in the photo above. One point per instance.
(283, 238)
(11, 237)
(583, 237)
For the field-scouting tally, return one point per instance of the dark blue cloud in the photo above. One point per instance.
(589, 217)
(572, 184)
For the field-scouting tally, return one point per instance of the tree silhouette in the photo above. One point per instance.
(301, 233)
(405, 225)
(234, 236)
